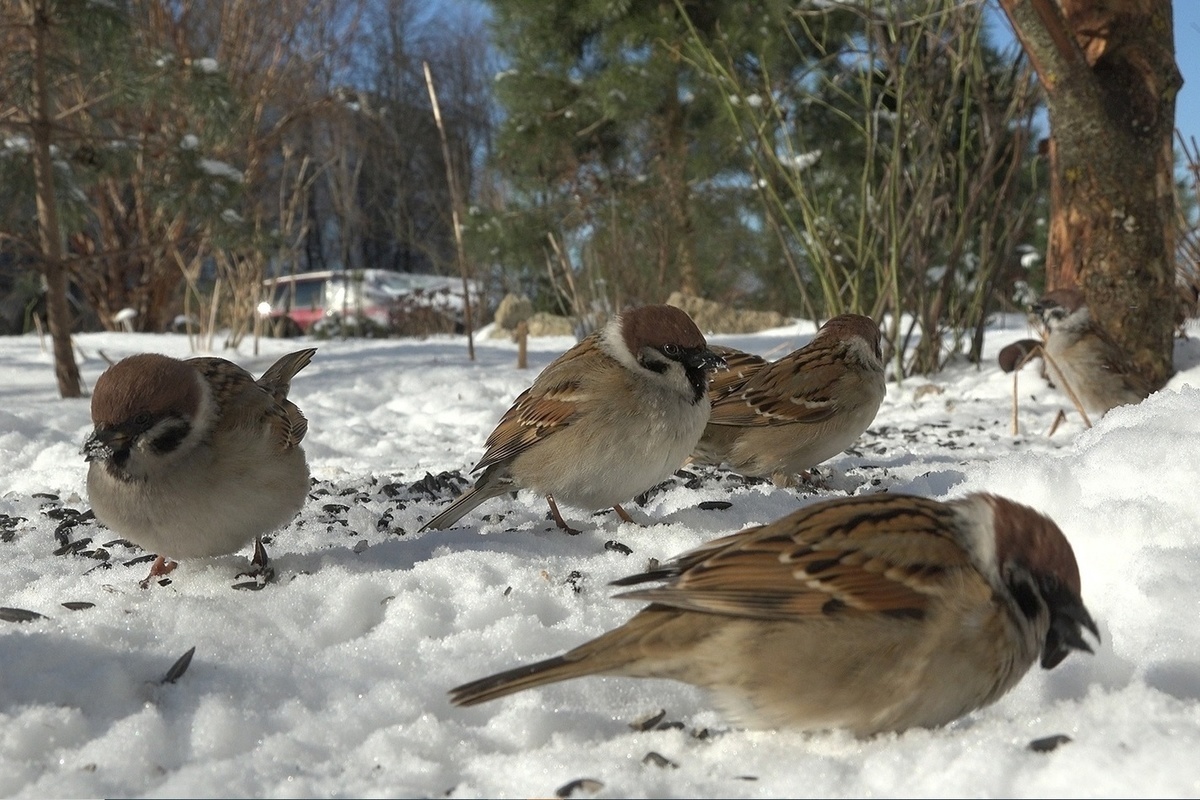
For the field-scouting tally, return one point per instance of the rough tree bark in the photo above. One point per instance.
(58, 315)
(1108, 70)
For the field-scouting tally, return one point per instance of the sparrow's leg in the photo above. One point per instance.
(558, 520)
(161, 566)
(623, 514)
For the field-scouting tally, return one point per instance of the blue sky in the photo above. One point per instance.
(1187, 56)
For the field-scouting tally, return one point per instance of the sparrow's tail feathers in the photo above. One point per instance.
(552, 670)
(466, 502)
(278, 377)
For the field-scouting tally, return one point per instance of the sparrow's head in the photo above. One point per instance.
(1038, 567)
(848, 327)
(1056, 306)
(144, 409)
(664, 341)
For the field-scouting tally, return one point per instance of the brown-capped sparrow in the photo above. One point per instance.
(872, 613)
(786, 416)
(611, 417)
(1084, 356)
(195, 457)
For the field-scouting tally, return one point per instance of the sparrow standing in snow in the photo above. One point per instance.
(783, 417)
(874, 613)
(1085, 357)
(611, 417)
(196, 458)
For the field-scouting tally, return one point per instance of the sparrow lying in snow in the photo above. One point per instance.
(1084, 356)
(196, 458)
(783, 417)
(873, 613)
(613, 416)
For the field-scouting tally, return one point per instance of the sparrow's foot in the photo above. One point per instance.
(558, 520)
(161, 567)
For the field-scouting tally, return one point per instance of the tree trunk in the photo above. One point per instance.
(673, 168)
(1108, 70)
(49, 236)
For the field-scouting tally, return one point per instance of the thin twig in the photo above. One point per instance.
(1066, 385)
(455, 204)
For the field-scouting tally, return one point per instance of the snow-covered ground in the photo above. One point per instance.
(332, 680)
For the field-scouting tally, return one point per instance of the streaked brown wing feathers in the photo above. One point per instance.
(793, 389)
(835, 558)
(551, 403)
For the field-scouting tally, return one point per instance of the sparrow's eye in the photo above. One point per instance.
(142, 419)
(672, 350)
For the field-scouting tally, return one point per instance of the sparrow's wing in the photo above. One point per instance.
(796, 388)
(885, 555)
(244, 403)
(739, 366)
(550, 404)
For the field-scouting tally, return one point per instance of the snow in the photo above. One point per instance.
(332, 680)
(219, 169)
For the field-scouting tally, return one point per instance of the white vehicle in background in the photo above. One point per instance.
(390, 302)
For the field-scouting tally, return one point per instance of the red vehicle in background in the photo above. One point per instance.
(381, 300)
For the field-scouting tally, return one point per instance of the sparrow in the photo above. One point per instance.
(781, 418)
(192, 458)
(1082, 355)
(873, 613)
(616, 414)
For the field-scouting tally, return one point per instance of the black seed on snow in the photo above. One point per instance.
(700, 733)
(589, 785)
(139, 560)
(648, 722)
(121, 542)
(249, 586)
(45, 495)
(674, 725)
(658, 760)
(574, 580)
(78, 605)
(179, 667)
(19, 615)
(507, 591)
(334, 508)
(73, 547)
(715, 505)
(87, 516)
(1049, 743)
(617, 547)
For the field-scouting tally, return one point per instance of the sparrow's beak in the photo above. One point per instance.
(1068, 618)
(705, 359)
(103, 443)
